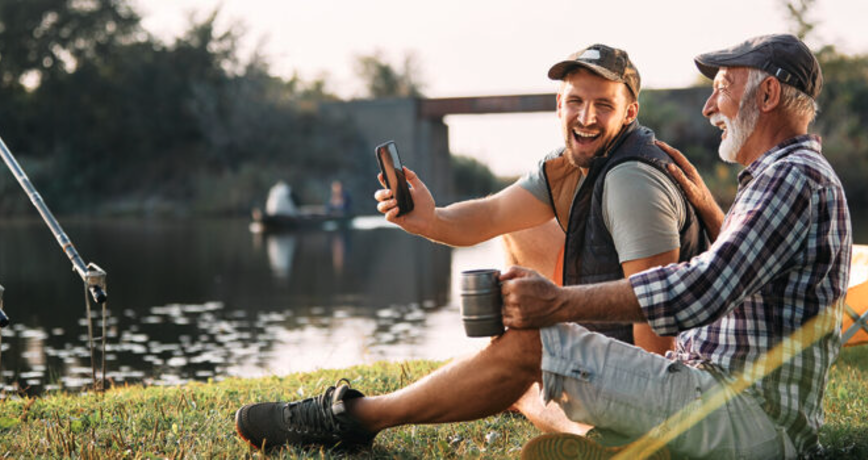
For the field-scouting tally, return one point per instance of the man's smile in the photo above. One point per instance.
(585, 136)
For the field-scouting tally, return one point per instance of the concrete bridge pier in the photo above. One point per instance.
(416, 125)
(423, 142)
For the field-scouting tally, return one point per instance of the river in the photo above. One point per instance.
(199, 300)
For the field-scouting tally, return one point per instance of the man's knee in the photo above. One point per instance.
(522, 349)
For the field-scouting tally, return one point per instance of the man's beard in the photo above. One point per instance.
(738, 130)
(581, 161)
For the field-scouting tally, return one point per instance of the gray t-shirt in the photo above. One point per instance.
(642, 208)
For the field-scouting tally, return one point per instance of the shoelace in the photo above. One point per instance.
(314, 414)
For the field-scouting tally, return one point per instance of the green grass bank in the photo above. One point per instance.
(196, 420)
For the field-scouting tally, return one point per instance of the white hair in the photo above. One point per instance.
(793, 101)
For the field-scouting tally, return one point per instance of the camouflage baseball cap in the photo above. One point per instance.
(783, 56)
(609, 63)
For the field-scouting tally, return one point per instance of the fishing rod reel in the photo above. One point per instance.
(95, 282)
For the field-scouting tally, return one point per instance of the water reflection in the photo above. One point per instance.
(193, 301)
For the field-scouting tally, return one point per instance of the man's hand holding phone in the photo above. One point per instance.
(411, 207)
(418, 221)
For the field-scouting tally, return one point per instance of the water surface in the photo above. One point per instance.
(195, 300)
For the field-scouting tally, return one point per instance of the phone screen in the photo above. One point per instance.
(393, 174)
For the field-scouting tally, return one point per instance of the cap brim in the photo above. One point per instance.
(706, 68)
(710, 63)
(561, 69)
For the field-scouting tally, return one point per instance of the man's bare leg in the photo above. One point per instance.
(466, 389)
(547, 418)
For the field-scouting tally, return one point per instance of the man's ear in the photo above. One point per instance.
(559, 104)
(632, 112)
(769, 94)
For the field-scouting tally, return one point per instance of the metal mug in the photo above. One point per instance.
(481, 303)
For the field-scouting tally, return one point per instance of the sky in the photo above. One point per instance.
(487, 47)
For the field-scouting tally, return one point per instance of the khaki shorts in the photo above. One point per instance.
(621, 388)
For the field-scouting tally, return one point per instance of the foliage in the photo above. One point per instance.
(382, 79)
(45, 39)
(472, 179)
(129, 119)
(797, 11)
(843, 119)
(106, 118)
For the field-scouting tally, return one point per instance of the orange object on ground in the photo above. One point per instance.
(856, 312)
(855, 326)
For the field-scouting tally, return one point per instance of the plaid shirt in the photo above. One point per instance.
(782, 257)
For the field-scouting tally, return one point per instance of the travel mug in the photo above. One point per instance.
(481, 303)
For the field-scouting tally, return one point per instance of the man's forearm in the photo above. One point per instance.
(604, 302)
(712, 218)
(461, 224)
(471, 222)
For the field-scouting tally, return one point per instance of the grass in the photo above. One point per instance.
(196, 420)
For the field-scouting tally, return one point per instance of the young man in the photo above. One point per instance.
(775, 275)
(607, 188)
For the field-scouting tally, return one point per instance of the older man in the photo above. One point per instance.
(757, 316)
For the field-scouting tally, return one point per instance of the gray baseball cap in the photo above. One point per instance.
(782, 55)
(610, 63)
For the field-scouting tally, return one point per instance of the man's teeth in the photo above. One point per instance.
(581, 134)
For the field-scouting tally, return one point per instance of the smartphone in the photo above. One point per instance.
(393, 174)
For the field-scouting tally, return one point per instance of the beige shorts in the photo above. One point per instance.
(619, 387)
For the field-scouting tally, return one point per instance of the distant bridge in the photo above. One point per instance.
(417, 126)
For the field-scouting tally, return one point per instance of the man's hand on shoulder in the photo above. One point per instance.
(695, 190)
(420, 220)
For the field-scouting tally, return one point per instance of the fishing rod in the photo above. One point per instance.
(4, 320)
(92, 275)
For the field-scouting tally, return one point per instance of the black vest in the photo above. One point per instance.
(589, 253)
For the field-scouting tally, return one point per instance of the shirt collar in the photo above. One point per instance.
(804, 142)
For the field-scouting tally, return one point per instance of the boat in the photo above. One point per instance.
(283, 214)
(263, 222)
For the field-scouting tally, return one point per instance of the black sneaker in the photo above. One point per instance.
(322, 420)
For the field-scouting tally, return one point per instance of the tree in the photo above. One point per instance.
(797, 11)
(382, 79)
(41, 39)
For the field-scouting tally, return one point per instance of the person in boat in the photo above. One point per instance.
(340, 203)
(281, 201)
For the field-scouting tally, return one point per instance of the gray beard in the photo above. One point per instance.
(740, 129)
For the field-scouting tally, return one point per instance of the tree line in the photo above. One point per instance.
(106, 118)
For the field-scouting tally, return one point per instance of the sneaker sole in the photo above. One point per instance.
(241, 432)
(564, 446)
